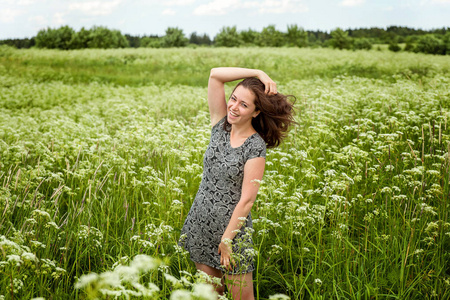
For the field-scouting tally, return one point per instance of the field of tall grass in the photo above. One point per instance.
(101, 157)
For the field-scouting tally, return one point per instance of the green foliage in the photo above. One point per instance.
(174, 38)
(151, 42)
(199, 39)
(296, 36)
(409, 46)
(362, 43)
(60, 38)
(65, 38)
(446, 40)
(227, 37)
(19, 43)
(430, 44)
(81, 39)
(102, 37)
(271, 37)
(394, 47)
(249, 37)
(340, 39)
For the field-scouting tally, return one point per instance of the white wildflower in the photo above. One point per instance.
(204, 291)
(144, 263)
(86, 280)
(14, 259)
(28, 256)
(279, 297)
(181, 295)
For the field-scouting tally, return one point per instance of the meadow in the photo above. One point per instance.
(101, 156)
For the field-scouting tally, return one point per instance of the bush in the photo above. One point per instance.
(228, 37)
(102, 37)
(270, 37)
(199, 39)
(394, 47)
(174, 38)
(60, 38)
(65, 38)
(151, 42)
(296, 36)
(340, 39)
(430, 44)
(409, 46)
(362, 43)
(250, 37)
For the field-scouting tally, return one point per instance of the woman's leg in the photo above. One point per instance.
(241, 286)
(212, 272)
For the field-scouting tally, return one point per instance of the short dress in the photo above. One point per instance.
(217, 196)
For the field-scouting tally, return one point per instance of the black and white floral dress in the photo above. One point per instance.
(217, 196)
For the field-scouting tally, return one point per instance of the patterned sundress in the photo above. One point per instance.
(217, 196)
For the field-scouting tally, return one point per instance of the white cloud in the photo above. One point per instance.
(178, 2)
(216, 7)
(222, 7)
(58, 19)
(39, 20)
(7, 15)
(26, 2)
(352, 2)
(19, 2)
(168, 12)
(283, 6)
(441, 1)
(95, 8)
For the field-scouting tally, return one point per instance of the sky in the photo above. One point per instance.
(24, 18)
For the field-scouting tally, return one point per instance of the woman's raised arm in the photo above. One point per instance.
(216, 89)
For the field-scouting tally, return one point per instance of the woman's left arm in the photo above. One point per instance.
(253, 169)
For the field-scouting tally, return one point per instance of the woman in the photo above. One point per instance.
(214, 232)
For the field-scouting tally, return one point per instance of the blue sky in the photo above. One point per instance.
(24, 18)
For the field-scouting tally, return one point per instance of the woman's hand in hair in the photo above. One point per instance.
(271, 86)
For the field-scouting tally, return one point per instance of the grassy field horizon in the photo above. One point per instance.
(101, 156)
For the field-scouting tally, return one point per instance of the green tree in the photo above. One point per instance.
(133, 41)
(98, 37)
(60, 38)
(296, 36)
(271, 37)
(199, 39)
(249, 37)
(340, 39)
(430, 44)
(151, 42)
(446, 41)
(174, 38)
(394, 47)
(102, 37)
(362, 43)
(81, 39)
(228, 37)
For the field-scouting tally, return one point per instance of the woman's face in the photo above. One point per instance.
(241, 106)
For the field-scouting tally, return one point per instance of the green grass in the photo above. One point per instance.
(101, 160)
(137, 67)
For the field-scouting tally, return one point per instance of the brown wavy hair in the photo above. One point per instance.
(276, 112)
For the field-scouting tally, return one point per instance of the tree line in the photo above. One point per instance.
(435, 41)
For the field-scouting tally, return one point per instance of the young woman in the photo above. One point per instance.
(255, 117)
